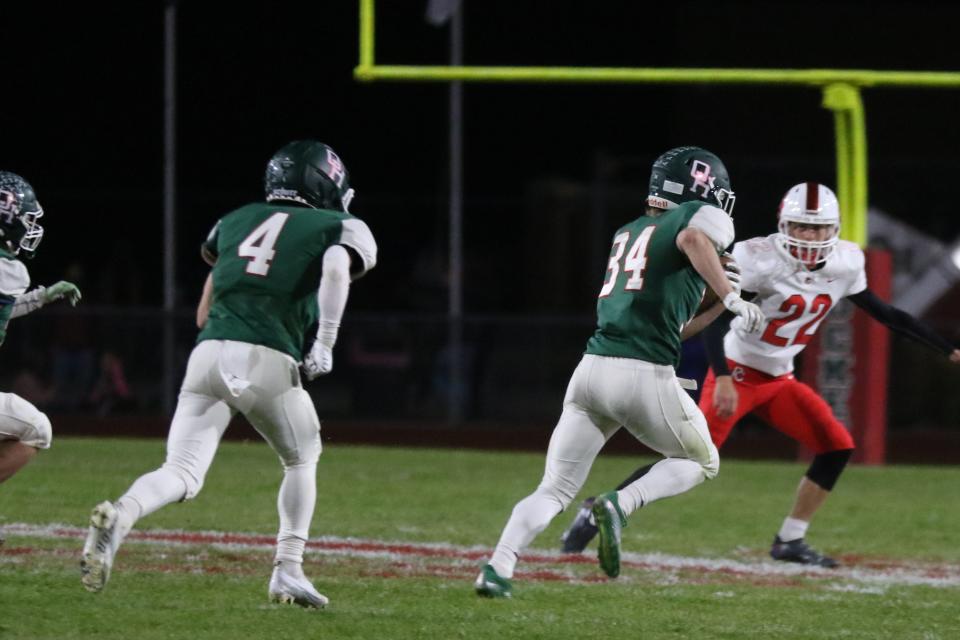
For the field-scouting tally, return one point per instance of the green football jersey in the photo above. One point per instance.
(651, 290)
(269, 259)
(14, 281)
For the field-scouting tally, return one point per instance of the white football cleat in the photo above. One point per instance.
(99, 548)
(288, 589)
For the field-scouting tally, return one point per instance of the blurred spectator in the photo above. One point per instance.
(382, 361)
(30, 385)
(74, 357)
(111, 391)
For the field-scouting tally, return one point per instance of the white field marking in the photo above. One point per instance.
(903, 574)
(853, 588)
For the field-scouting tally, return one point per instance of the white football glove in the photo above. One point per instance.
(753, 318)
(732, 270)
(319, 361)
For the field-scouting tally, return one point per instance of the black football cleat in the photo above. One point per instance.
(581, 531)
(800, 552)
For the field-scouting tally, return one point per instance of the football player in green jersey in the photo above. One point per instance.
(279, 267)
(24, 429)
(653, 285)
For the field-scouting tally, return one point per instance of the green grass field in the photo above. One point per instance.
(894, 529)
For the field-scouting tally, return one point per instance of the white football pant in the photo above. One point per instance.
(224, 377)
(20, 420)
(604, 394)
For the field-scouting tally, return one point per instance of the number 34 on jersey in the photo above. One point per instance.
(635, 263)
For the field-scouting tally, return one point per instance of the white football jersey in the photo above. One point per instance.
(795, 301)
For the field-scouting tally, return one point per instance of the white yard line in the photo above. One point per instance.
(904, 573)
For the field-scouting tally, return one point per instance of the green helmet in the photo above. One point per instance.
(308, 172)
(684, 174)
(19, 211)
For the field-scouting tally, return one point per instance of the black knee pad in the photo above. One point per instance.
(827, 467)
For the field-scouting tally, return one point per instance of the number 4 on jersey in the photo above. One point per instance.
(635, 263)
(258, 246)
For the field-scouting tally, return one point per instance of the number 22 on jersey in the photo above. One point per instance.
(793, 308)
(258, 246)
(635, 263)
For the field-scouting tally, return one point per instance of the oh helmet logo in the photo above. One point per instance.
(9, 207)
(336, 171)
(702, 178)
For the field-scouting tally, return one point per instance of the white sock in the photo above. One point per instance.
(793, 529)
(530, 516)
(295, 503)
(148, 493)
(669, 477)
(128, 512)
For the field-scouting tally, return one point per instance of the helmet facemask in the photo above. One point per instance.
(812, 205)
(725, 199)
(346, 199)
(807, 253)
(34, 232)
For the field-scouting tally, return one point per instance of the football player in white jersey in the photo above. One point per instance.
(797, 275)
(24, 429)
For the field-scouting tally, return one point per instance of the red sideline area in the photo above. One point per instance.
(750, 440)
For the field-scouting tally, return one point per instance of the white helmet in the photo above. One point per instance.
(808, 203)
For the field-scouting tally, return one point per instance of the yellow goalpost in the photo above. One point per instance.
(841, 94)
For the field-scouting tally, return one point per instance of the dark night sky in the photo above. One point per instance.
(82, 120)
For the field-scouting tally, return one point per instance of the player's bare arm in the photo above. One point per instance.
(706, 316)
(702, 320)
(203, 307)
(701, 253)
(725, 396)
(694, 240)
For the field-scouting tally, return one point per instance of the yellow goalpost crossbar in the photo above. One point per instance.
(841, 94)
